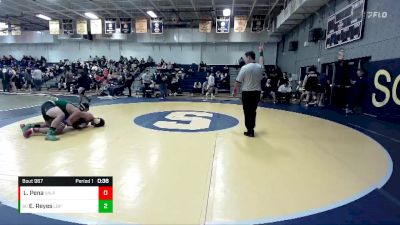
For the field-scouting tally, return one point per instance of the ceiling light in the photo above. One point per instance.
(152, 14)
(41, 16)
(91, 16)
(226, 12)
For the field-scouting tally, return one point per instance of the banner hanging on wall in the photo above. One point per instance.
(81, 27)
(240, 23)
(15, 30)
(257, 23)
(205, 26)
(141, 26)
(67, 27)
(223, 24)
(54, 27)
(157, 26)
(3, 29)
(95, 27)
(110, 26)
(126, 25)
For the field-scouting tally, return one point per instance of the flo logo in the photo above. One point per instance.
(186, 121)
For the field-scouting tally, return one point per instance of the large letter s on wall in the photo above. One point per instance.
(382, 88)
(394, 90)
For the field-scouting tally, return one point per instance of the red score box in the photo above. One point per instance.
(105, 193)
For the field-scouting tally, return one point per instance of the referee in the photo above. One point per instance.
(250, 77)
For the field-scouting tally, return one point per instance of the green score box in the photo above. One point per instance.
(105, 206)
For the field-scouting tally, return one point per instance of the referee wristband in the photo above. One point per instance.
(261, 53)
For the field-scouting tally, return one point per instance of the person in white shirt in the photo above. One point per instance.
(284, 92)
(37, 77)
(249, 78)
(196, 87)
(146, 80)
(210, 86)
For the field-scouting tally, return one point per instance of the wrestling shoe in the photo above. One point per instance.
(51, 136)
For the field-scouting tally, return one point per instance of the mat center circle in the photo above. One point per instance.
(186, 121)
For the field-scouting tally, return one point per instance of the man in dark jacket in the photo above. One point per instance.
(358, 91)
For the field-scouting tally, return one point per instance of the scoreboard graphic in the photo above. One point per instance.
(65, 195)
(345, 25)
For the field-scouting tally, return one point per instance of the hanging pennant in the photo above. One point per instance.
(223, 24)
(141, 25)
(54, 27)
(110, 26)
(240, 23)
(81, 27)
(205, 26)
(257, 23)
(126, 25)
(67, 27)
(15, 30)
(95, 27)
(3, 29)
(157, 25)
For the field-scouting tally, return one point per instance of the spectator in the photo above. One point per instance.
(241, 62)
(69, 77)
(311, 85)
(210, 86)
(62, 83)
(174, 85)
(169, 66)
(5, 80)
(202, 66)
(196, 87)
(324, 89)
(284, 79)
(128, 77)
(359, 90)
(28, 79)
(274, 84)
(204, 87)
(13, 79)
(163, 85)
(268, 91)
(37, 77)
(146, 80)
(284, 92)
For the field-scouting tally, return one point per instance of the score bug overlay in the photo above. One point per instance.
(65, 194)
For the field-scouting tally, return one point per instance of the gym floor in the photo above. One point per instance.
(305, 166)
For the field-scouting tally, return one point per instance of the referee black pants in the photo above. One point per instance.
(250, 101)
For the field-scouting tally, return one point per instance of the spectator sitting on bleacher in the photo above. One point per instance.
(196, 88)
(226, 69)
(180, 74)
(174, 85)
(268, 91)
(284, 92)
(241, 62)
(204, 87)
(224, 81)
(202, 66)
(190, 70)
(62, 83)
(169, 66)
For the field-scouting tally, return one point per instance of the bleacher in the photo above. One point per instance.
(187, 83)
